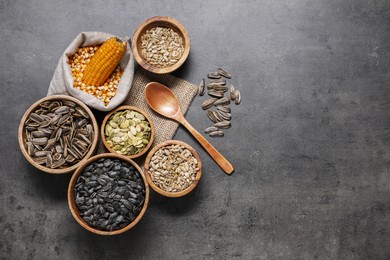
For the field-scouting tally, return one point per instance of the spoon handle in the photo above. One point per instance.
(217, 156)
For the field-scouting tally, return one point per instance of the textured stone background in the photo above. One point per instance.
(310, 142)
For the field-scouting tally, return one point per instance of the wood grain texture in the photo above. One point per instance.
(72, 202)
(162, 100)
(22, 134)
(132, 156)
(161, 21)
(161, 191)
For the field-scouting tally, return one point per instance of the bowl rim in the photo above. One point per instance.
(167, 193)
(32, 108)
(72, 203)
(179, 29)
(127, 107)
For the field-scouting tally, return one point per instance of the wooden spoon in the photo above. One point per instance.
(162, 100)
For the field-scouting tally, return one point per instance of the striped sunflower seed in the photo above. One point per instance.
(210, 129)
(201, 87)
(223, 124)
(232, 92)
(222, 101)
(217, 116)
(237, 97)
(214, 75)
(211, 85)
(224, 109)
(208, 103)
(224, 115)
(224, 73)
(218, 81)
(218, 133)
(211, 116)
(214, 93)
(220, 88)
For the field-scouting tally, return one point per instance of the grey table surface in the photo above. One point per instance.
(310, 142)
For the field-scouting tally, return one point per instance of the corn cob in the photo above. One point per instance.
(104, 62)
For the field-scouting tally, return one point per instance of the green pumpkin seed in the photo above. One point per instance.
(124, 124)
(113, 124)
(133, 130)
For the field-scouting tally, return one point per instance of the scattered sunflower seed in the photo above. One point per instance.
(224, 109)
(223, 124)
(214, 75)
(218, 81)
(232, 92)
(210, 129)
(220, 88)
(214, 93)
(222, 101)
(224, 115)
(211, 85)
(201, 87)
(217, 88)
(211, 116)
(217, 116)
(218, 133)
(224, 73)
(208, 103)
(237, 97)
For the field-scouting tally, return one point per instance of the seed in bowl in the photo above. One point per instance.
(161, 46)
(173, 168)
(127, 132)
(109, 194)
(87, 78)
(58, 134)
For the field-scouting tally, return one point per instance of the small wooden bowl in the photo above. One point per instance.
(102, 130)
(161, 21)
(22, 134)
(167, 193)
(75, 210)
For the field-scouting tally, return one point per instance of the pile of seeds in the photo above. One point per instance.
(77, 63)
(173, 168)
(216, 88)
(127, 132)
(109, 194)
(161, 46)
(58, 134)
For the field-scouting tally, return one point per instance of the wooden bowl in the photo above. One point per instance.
(102, 130)
(161, 21)
(22, 134)
(167, 193)
(75, 210)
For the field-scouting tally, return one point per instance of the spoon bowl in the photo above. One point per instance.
(163, 101)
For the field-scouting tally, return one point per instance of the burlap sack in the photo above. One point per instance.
(62, 81)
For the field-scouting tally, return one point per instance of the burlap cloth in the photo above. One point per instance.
(165, 128)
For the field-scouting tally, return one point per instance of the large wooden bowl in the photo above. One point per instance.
(102, 130)
(160, 21)
(72, 201)
(22, 135)
(167, 193)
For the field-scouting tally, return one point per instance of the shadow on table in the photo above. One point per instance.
(176, 206)
(184, 69)
(53, 186)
